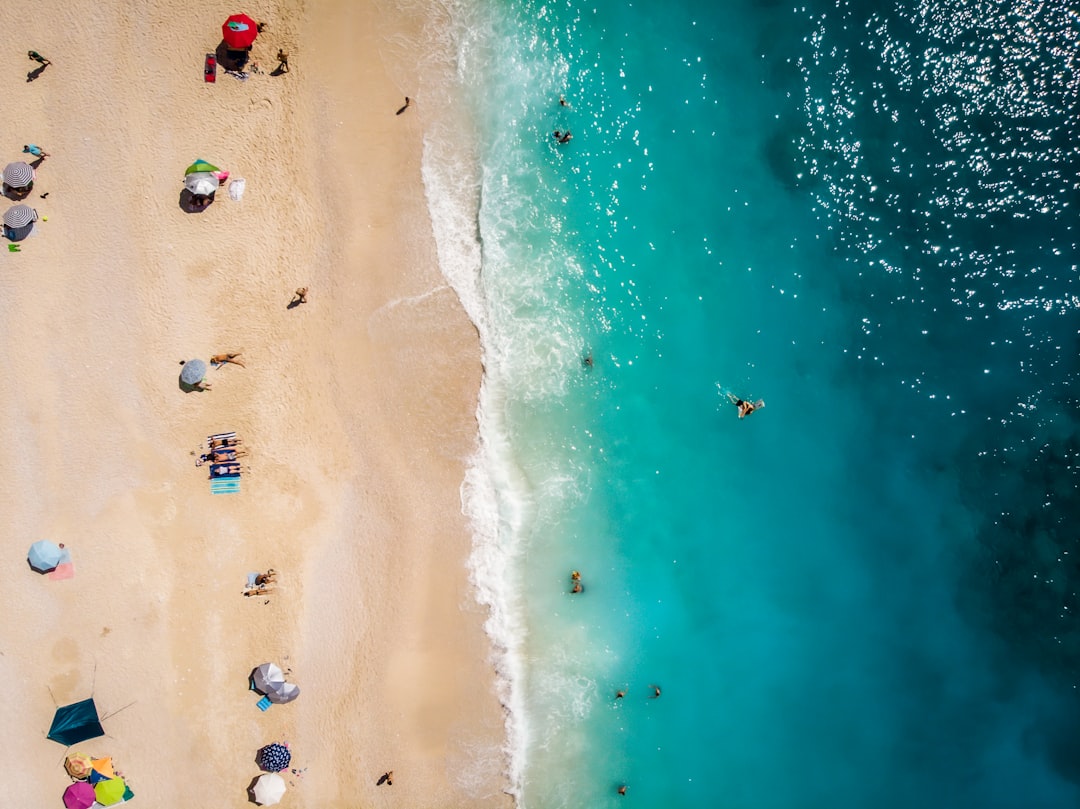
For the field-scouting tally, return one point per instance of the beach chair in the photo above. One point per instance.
(263, 703)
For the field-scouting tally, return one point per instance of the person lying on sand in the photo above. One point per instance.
(269, 577)
(221, 359)
(224, 442)
(257, 591)
(221, 470)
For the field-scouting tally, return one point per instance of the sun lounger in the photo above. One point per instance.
(263, 703)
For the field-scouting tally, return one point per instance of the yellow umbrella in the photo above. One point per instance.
(105, 766)
(78, 765)
(109, 792)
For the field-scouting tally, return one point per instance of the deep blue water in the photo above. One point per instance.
(864, 214)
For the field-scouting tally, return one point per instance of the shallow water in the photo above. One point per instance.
(862, 213)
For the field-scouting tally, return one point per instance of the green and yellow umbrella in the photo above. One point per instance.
(200, 165)
(109, 792)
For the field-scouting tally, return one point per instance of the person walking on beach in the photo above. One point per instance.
(221, 359)
(283, 62)
(408, 103)
(745, 408)
(386, 778)
(36, 151)
(299, 297)
(37, 57)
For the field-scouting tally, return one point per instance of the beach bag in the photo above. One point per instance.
(236, 189)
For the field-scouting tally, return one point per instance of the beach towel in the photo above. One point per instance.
(64, 570)
(225, 485)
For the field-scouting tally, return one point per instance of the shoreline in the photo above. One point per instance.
(353, 492)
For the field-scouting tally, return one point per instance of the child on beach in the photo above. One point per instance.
(35, 150)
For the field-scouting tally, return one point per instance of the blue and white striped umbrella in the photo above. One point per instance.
(18, 175)
(19, 216)
(274, 757)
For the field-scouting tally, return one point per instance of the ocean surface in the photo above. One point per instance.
(864, 213)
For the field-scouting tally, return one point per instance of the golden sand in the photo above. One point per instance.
(357, 410)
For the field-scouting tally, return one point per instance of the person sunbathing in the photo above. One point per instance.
(269, 577)
(257, 591)
(221, 359)
(223, 455)
(222, 470)
(224, 442)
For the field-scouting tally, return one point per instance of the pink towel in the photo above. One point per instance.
(63, 571)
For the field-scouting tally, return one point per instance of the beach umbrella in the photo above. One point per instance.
(239, 32)
(19, 216)
(76, 723)
(18, 175)
(193, 373)
(202, 183)
(110, 791)
(269, 789)
(274, 757)
(286, 692)
(78, 765)
(267, 677)
(200, 165)
(44, 555)
(79, 795)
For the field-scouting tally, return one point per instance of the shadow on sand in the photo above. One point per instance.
(190, 203)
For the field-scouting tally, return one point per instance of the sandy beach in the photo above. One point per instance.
(357, 411)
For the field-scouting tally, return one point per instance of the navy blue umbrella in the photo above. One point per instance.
(274, 757)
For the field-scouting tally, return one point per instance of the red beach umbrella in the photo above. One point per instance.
(239, 32)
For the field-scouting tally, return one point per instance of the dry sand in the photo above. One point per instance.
(357, 409)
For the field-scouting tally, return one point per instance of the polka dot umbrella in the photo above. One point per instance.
(274, 757)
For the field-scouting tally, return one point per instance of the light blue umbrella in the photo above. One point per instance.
(44, 555)
(193, 373)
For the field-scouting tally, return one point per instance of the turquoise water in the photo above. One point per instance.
(862, 213)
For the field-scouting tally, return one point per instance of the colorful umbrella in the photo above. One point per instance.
(274, 757)
(200, 165)
(104, 767)
(239, 32)
(269, 789)
(79, 795)
(193, 373)
(78, 765)
(19, 216)
(44, 555)
(18, 175)
(202, 183)
(110, 791)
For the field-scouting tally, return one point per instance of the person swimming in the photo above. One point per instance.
(745, 408)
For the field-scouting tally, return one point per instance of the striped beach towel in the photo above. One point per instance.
(225, 485)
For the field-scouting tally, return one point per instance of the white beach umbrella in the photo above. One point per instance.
(269, 789)
(267, 678)
(285, 692)
(202, 183)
